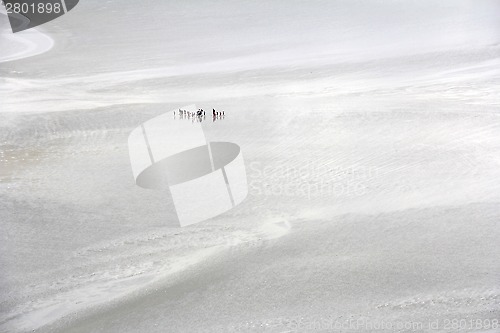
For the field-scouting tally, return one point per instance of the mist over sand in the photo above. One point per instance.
(370, 132)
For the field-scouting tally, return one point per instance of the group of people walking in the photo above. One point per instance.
(199, 115)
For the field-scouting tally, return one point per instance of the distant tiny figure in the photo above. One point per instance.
(198, 115)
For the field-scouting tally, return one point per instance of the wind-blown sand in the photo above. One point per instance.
(371, 138)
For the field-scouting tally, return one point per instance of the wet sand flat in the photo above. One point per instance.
(371, 144)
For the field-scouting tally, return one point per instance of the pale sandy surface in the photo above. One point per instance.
(371, 136)
(24, 44)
